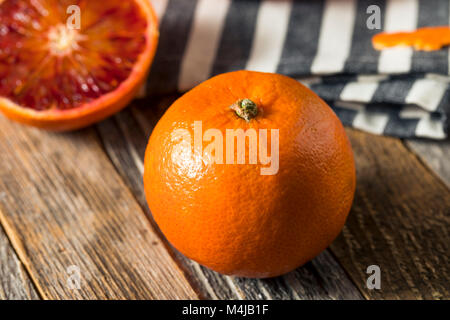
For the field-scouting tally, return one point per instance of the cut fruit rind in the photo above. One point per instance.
(58, 78)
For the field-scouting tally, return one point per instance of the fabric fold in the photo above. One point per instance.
(325, 44)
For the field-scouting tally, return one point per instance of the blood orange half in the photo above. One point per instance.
(61, 76)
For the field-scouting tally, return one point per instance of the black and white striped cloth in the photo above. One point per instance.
(326, 44)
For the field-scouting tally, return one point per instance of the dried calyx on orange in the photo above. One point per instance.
(223, 210)
(57, 75)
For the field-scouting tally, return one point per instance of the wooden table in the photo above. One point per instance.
(76, 199)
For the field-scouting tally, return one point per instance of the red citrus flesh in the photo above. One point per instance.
(57, 77)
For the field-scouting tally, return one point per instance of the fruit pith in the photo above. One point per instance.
(231, 218)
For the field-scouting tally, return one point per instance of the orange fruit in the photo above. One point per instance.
(57, 75)
(233, 218)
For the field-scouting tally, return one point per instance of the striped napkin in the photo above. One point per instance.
(325, 44)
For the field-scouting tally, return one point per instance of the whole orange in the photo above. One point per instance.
(235, 218)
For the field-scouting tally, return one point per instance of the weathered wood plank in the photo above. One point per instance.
(399, 221)
(65, 205)
(15, 283)
(435, 154)
(125, 137)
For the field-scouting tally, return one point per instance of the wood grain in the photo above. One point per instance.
(65, 205)
(435, 154)
(15, 283)
(125, 138)
(399, 221)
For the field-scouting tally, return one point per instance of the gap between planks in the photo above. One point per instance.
(64, 204)
(435, 155)
(399, 221)
(15, 283)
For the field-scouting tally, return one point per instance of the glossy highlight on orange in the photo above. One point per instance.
(424, 39)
